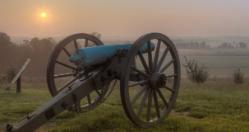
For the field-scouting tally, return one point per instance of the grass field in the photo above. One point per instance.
(215, 106)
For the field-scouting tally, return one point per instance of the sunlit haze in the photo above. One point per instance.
(43, 15)
(125, 19)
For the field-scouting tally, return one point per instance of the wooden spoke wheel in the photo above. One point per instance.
(149, 100)
(61, 73)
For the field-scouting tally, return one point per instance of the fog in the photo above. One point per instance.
(126, 19)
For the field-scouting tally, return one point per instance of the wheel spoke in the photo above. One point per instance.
(63, 75)
(89, 99)
(138, 83)
(66, 51)
(86, 43)
(167, 66)
(66, 65)
(76, 45)
(150, 56)
(170, 76)
(138, 71)
(143, 62)
(138, 95)
(77, 106)
(149, 105)
(99, 93)
(140, 110)
(68, 83)
(162, 58)
(162, 97)
(157, 54)
(111, 89)
(156, 104)
(171, 90)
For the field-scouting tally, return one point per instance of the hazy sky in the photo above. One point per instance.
(125, 18)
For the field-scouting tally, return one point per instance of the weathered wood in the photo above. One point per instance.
(19, 85)
(24, 66)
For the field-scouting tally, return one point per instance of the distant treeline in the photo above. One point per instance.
(228, 45)
(204, 45)
(13, 55)
(192, 45)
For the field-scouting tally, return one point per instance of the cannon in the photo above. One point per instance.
(82, 73)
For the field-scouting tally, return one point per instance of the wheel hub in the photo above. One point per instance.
(157, 80)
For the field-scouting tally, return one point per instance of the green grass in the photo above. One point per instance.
(215, 106)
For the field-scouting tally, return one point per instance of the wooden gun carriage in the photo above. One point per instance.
(82, 72)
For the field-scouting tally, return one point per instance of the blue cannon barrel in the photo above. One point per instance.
(96, 55)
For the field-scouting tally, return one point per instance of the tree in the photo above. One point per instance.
(226, 45)
(4, 40)
(40, 51)
(242, 45)
(6, 50)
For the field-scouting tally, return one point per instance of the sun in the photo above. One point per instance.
(43, 15)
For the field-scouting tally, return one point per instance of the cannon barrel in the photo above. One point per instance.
(97, 55)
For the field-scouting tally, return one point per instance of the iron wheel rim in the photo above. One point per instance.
(61, 47)
(125, 97)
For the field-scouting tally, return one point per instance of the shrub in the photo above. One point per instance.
(238, 76)
(7, 78)
(196, 72)
(10, 74)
